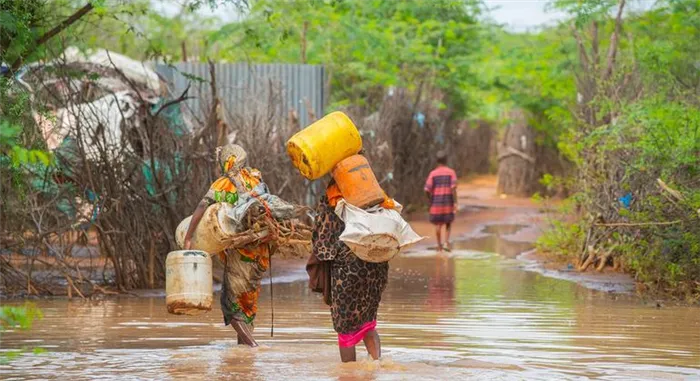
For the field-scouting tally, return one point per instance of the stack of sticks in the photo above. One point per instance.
(263, 228)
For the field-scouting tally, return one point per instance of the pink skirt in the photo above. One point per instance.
(351, 339)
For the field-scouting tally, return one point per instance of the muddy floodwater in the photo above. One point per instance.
(476, 313)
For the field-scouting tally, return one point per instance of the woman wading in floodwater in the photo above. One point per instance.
(243, 268)
(356, 285)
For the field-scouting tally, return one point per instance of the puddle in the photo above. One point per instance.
(502, 230)
(489, 239)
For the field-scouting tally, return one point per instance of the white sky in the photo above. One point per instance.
(516, 15)
(520, 15)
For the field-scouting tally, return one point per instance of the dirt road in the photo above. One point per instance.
(480, 205)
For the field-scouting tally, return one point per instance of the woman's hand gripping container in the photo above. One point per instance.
(188, 282)
(376, 234)
(212, 234)
(315, 150)
(188, 273)
(357, 182)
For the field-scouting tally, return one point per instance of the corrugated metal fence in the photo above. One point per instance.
(303, 86)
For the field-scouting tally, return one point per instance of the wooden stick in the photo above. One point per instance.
(582, 256)
(71, 284)
(297, 242)
(591, 258)
(604, 259)
(151, 264)
(102, 290)
(676, 194)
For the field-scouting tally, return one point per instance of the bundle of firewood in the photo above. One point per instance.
(263, 228)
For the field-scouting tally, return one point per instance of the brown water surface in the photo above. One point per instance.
(470, 314)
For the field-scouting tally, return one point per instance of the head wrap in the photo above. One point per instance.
(231, 157)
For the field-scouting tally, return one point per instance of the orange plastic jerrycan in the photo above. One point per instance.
(315, 150)
(357, 182)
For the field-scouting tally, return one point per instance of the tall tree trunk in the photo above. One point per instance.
(516, 158)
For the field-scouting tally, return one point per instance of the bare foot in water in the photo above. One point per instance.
(244, 334)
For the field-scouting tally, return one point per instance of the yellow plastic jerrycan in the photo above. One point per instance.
(316, 149)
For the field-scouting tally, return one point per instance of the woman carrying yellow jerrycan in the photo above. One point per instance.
(356, 285)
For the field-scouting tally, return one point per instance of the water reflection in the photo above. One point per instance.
(441, 286)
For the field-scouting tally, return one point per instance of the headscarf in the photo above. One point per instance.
(231, 158)
(236, 177)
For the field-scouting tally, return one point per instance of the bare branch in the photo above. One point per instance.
(614, 40)
(595, 45)
(49, 35)
(183, 97)
(630, 224)
(583, 54)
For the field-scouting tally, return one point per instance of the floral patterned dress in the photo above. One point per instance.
(243, 268)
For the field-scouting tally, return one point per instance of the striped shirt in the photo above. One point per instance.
(441, 184)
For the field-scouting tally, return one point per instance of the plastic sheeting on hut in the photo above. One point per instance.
(92, 98)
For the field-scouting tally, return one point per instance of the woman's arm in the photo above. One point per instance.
(322, 239)
(196, 217)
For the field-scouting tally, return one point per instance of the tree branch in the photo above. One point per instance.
(183, 97)
(49, 35)
(631, 224)
(595, 45)
(585, 60)
(614, 39)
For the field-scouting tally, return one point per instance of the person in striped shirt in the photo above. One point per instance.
(441, 189)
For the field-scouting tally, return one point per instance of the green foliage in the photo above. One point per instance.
(585, 11)
(10, 146)
(648, 121)
(19, 21)
(533, 72)
(367, 45)
(18, 317)
(141, 32)
(16, 105)
(563, 237)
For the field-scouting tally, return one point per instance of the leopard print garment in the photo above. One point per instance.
(356, 285)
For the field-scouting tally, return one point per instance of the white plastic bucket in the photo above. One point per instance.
(188, 282)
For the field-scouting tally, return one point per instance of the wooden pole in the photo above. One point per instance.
(151, 264)
(184, 51)
(303, 41)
